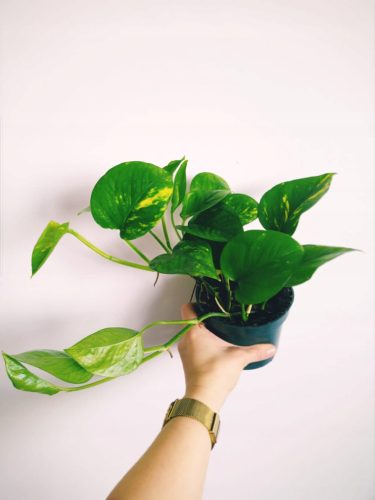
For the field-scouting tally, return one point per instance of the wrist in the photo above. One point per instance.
(213, 400)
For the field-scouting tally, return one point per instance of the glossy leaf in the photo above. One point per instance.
(314, 256)
(56, 363)
(173, 166)
(179, 186)
(216, 247)
(131, 197)
(110, 352)
(46, 243)
(206, 190)
(243, 205)
(281, 207)
(25, 380)
(193, 258)
(218, 223)
(261, 262)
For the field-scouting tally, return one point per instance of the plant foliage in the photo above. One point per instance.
(214, 245)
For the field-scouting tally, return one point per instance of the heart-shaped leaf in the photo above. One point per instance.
(261, 262)
(206, 190)
(25, 380)
(131, 197)
(179, 186)
(56, 363)
(243, 205)
(46, 243)
(314, 256)
(218, 223)
(216, 247)
(193, 258)
(281, 207)
(109, 352)
(173, 166)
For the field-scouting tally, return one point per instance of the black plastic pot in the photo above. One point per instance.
(262, 331)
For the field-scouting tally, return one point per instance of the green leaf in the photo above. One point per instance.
(243, 205)
(208, 181)
(314, 256)
(218, 223)
(56, 363)
(24, 380)
(173, 166)
(179, 186)
(109, 352)
(188, 257)
(216, 247)
(281, 207)
(46, 243)
(206, 190)
(131, 197)
(261, 262)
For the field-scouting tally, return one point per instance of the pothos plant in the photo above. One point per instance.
(240, 270)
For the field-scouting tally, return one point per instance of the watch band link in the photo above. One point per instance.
(188, 407)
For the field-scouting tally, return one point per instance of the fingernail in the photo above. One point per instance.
(271, 351)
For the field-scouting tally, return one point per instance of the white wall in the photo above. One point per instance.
(258, 91)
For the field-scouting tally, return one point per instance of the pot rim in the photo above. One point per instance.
(280, 314)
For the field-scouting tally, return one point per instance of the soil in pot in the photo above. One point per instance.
(263, 325)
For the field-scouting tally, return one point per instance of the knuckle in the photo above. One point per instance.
(192, 334)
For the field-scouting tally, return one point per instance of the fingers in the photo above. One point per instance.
(259, 352)
(188, 312)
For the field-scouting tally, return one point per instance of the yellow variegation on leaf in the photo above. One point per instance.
(131, 197)
(281, 207)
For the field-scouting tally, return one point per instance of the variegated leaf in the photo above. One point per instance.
(281, 207)
(131, 197)
(46, 243)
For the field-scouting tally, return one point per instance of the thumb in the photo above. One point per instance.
(259, 352)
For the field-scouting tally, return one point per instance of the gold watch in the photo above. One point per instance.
(188, 407)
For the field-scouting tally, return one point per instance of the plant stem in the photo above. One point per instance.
(263, 306)
(154, 235)
(107, 256)
(192, 293)
(190, 323)
(220, 306)
(229, 293)
(214, 293)
(248, 310)
(165, 231)
(243, 312)
(81, 387)
(176, 322)
(159, 349)
(137, 250)
(174, 226)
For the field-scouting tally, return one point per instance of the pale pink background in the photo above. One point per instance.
(256, 91)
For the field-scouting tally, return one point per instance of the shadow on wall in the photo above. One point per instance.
(66, 204)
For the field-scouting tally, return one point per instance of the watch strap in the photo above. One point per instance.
(188, 407)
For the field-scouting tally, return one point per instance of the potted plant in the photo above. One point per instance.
(244, 278)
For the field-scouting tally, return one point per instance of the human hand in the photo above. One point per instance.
(211, 365)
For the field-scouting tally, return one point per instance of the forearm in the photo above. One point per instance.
(174, 466)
